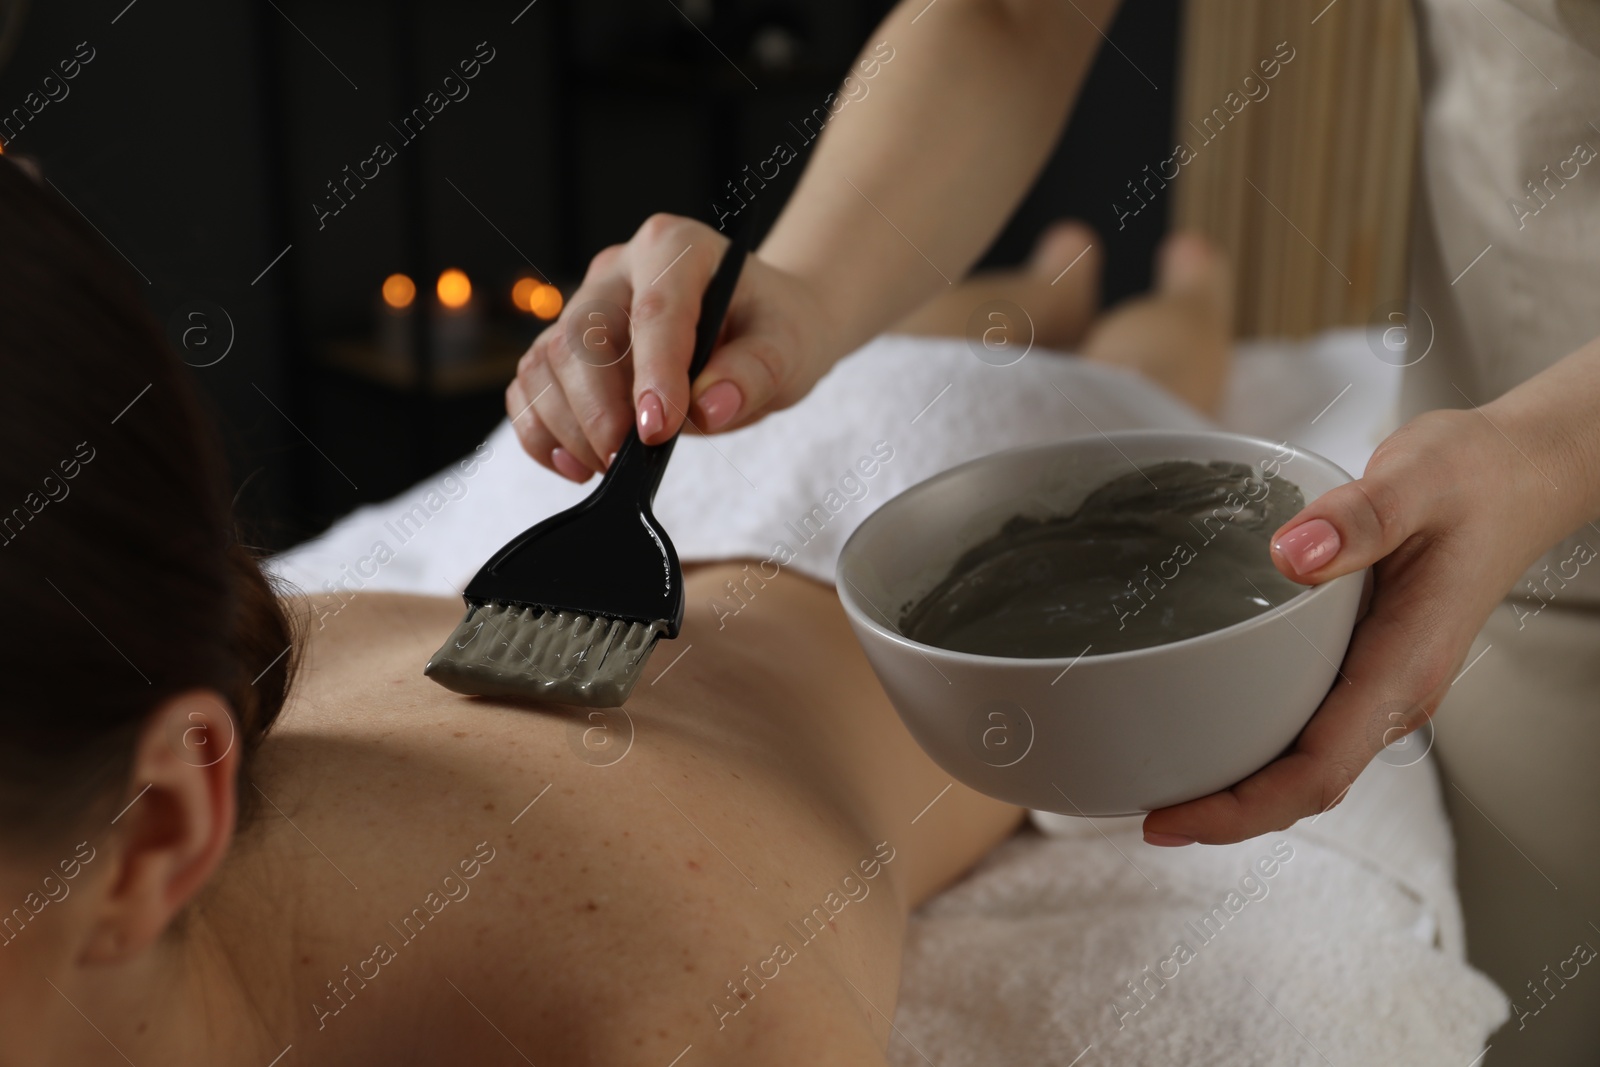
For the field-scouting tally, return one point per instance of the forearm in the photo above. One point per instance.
(1553, 419)
(910, 183)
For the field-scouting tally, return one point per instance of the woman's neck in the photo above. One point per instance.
(186, 1001)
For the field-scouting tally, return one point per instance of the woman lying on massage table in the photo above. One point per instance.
(397, 874)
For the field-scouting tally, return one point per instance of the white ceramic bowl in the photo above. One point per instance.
(1111, 734)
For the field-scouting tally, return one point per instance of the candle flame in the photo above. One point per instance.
(399, 291)
(546, 302)
(537, 298)
(454, 288)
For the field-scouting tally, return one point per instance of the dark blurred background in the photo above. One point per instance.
(208, 141)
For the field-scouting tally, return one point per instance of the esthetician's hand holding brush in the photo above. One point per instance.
(887, 214)
(636, 311)
(1453, 507)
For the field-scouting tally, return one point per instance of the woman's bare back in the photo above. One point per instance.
(723, 868)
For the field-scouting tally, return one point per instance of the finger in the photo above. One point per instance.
(598, 400)
(571, 457)
(1287, 790)
(588, 359)
(536, 441)
(1399, 666)
(537, 352)
(1351, 527)
(740, 382)
(672, 260)
(586, 354)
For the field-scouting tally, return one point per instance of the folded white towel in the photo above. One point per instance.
(1354, 944)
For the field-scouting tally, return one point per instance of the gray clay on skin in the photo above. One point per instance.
(1136, 565)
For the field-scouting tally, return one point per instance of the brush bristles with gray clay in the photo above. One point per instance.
(507, 650)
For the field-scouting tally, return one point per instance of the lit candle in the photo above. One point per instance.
(457, 320)
(537, 298)
(394, 313)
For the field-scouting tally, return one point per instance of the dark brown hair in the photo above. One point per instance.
(121, 572)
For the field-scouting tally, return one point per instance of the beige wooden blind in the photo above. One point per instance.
(1299, 122)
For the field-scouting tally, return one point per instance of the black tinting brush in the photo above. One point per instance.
(571, 609)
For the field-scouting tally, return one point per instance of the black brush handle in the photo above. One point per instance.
(636, 472)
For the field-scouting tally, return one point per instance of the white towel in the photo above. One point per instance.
(1350, 952)
(1355, 950)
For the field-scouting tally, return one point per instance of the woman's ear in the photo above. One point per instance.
(177, 818)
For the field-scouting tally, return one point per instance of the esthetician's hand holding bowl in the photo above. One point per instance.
(1448, 514)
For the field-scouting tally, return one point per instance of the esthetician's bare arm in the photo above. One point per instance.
(939, 130)
(953, 134)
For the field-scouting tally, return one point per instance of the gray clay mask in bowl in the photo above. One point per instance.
(1043, 645)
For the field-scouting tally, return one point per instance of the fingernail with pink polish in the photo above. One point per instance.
(651, 417)
(1151, 837)
(719, 404)
(1309, 546)
(567, 465)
